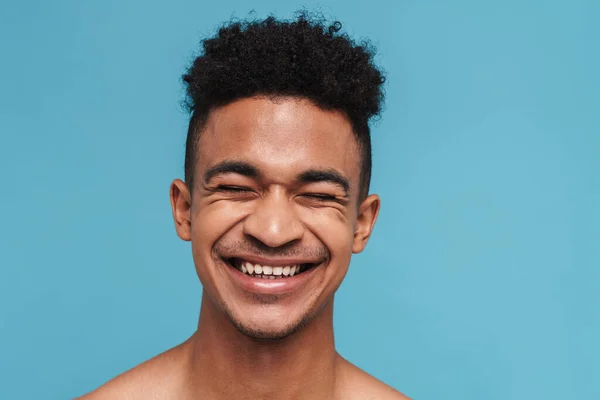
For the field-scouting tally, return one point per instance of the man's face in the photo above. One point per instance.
(274, 215)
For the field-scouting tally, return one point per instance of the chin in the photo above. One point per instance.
(271, 330)
(268, 333)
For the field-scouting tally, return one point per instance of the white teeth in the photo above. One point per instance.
(269, 272)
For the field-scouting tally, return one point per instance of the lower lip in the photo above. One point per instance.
(270, 286)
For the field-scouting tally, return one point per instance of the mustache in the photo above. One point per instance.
(257, 248)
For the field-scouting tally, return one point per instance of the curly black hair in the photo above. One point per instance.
(304, 57)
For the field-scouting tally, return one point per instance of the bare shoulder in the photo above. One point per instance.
(157, 378)
(356, 384)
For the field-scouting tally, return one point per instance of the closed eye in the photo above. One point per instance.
(233, 189)
(321, 196)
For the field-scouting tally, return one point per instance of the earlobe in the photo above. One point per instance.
(365, 221)
(181, 206)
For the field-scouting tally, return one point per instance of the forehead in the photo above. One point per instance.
(281, 137)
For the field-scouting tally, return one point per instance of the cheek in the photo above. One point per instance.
(210, 222)
(335, 231)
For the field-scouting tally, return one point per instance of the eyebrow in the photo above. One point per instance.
(325, 175)
(231, 167)
(245, 169)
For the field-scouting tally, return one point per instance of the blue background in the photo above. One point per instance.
(481, 280)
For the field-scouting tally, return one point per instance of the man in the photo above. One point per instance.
(275, 201)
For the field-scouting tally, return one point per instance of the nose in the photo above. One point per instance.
(274, 221)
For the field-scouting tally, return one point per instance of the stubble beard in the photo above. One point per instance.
(270, 335)
(266, 334)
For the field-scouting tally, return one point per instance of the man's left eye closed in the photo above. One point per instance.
(320, 196)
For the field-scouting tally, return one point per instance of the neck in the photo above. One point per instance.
(227, 364)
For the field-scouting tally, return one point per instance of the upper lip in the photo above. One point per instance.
(274, 262)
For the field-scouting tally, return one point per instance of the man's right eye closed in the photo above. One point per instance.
(234, 189)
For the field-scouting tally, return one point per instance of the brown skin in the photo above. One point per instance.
(250, 346)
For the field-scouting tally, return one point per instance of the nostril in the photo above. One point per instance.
(273, 228)
(266, 243)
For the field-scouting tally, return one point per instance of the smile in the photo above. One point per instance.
(264, 271)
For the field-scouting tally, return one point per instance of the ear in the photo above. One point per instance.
(181, 205)
(365, 221)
